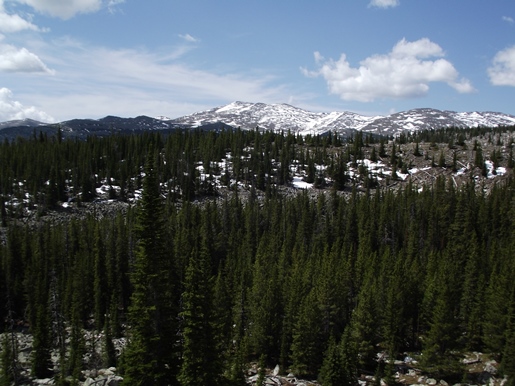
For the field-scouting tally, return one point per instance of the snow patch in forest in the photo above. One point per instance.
(461, 171)
(299, 184)
(492, 173)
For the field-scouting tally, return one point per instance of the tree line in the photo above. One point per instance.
(40, 172)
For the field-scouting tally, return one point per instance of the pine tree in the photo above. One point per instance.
(364, 324)
(261, 371)
(150, 356)
(442, 337)
(416, 152)
(39, 312)
(478, 160)
(333, 372)
(339, 367)
(200, 356)
(307, 347)
(41, 359)
(265, 304)
(8, 370)
(508, 358)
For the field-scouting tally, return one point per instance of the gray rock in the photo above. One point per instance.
(273, 381)
(44, 381)
(490, 368)
(114, 381)
(105, 373)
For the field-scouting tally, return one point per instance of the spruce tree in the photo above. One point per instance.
(339, 367)
(8, 370)
(41, 359)
(200, 357)
(333, 372)
(150, 356)
(307, 347)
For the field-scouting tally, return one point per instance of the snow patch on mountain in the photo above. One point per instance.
(284, 117)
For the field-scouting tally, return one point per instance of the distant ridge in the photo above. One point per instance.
(283, 117)
(275, 117)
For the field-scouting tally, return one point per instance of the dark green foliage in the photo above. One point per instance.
(200, 354)
(441, 160)
(149, 358)
(261, 370)
(478, 160)
(307, 346)
(319, 285)
(41, 361)
(508, 361)
(416, 151)
(333, 371)
(8, 362)
(339, 367)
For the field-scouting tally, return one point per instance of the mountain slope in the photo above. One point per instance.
(275, 117)
(283, 117)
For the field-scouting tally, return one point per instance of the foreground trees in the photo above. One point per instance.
(151, 355)
(319, 285)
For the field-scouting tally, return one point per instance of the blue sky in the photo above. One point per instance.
(63, 59)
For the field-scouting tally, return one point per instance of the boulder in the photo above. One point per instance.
(89, 382)
(105, 373)
(114, 381)
(43, 381)
(490, 367)
(272, 381)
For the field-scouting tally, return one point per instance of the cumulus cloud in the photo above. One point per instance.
(405, 72)
(14, 59)
(502, 70)
(65, 9)
(13, 23)
(384, 3)
(508, 19)
(11, 109)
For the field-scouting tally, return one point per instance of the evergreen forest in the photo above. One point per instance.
(213, 260)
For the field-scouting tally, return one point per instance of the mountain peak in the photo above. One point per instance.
(284, 117)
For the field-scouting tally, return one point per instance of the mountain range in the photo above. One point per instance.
(276, 117)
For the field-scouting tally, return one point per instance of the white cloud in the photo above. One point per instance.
(502, 71)
(13, 23)
(112, 5)
(405, 72)
(384, 3)
(93, 81)
(189, 38)
(11, 109)
(64, 9)
(13, 59)
(508, 19)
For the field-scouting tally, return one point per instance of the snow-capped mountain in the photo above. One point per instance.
(283, 117)
(276, 117)
(20, 123)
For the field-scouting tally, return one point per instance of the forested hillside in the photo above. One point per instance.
(215, 260)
